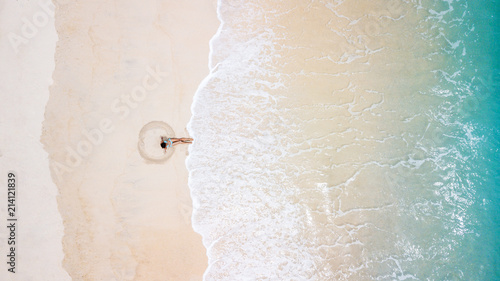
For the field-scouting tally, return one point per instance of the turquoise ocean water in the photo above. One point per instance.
(481, 171)
(344, 140)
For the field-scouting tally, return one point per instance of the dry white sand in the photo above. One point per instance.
(27, 45)
(118, 66)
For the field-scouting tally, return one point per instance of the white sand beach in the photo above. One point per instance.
(117, 67)
(27, 45)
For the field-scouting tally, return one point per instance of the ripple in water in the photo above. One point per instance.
(334, 147)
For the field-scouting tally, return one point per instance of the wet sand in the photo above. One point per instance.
(119, 66)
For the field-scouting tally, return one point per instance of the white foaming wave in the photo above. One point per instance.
(240, 209)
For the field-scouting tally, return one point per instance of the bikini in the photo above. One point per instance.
(166, 142)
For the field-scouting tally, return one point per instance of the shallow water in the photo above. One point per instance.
(349, 140)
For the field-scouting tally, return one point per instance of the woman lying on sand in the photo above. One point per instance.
(169, 142)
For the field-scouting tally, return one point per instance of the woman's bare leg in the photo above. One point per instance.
(181, 140)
